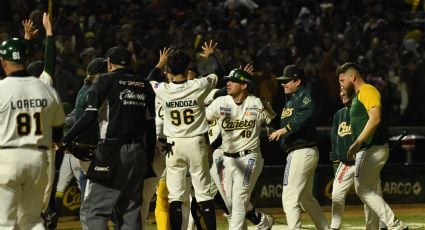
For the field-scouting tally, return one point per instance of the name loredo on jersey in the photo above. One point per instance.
(31, 103)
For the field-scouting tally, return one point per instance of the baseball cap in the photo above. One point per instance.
(13, 49)
(96, 66)
(291, 72)
(239, 75)
(118, 55)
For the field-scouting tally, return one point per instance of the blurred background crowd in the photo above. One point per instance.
(384, 36)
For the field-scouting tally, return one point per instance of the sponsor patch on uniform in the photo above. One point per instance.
(287, 168)
(224, 111)
(248, 171)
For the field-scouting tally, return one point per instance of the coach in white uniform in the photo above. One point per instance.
(186, 128)
(238, 161)
(31, 118)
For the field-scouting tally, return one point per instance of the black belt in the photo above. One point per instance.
(299, 146)
(238, 154)
(25, 146)
(125, 140)
(162, 140)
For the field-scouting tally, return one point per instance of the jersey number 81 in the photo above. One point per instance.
(24, 125)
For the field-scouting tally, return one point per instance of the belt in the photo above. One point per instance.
(25, 146)
(162, 140)
(238, 154)
(125, 140)
(300, 146)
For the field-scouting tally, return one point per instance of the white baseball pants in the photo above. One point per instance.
(297, 190)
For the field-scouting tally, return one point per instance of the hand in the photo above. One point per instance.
(249, 68)
(208, 49)
(354, 148)
(163, 57)
(276, 135)
(47, 24)
(29, 30)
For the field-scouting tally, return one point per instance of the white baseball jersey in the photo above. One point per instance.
(159, 118)
(240, 125)
(28, 109)
(183, 106)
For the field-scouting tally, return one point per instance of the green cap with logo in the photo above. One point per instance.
(238, 75)
(291, 72)
(13, 49)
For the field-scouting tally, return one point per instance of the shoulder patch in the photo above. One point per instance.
(306, 100)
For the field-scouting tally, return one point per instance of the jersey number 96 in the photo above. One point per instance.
(24, 124)
(179, 117)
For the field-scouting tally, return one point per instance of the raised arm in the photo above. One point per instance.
(50, 47)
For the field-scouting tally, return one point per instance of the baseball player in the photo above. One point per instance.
(341, 140)
(369, 149)
(45, 71)
(298, 139)
(238, 161)
(31, 118)
(158, 162)
(186, 129)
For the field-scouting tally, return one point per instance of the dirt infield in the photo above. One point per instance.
(412, 214)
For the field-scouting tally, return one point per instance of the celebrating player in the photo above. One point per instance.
(369, 149)
(297, 137)
(31, 118)
(186, 128)
(238, 161)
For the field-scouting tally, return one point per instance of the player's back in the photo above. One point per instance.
(183, 106)
(29, 109)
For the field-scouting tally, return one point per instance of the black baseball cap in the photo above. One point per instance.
(292, 72)
(96, 66)
(119, 55)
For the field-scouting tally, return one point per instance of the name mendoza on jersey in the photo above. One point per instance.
(31, 103)
(174, 104)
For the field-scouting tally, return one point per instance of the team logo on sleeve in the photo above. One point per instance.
(306, 100)
(286, 112)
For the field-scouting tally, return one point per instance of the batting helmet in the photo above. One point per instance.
(13, 50)
(239, 75)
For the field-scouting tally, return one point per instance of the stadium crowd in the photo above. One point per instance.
(316, 35)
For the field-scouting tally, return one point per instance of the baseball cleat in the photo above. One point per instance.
(266, 222)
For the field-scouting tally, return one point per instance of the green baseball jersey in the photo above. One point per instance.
(298, 118)
(368, 97)
(341, 136)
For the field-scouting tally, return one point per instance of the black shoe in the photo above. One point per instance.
(50, 219)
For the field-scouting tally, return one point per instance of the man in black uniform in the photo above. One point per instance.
(124, 105)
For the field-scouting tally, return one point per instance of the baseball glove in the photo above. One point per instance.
(81, 152)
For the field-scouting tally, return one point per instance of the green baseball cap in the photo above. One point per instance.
(13, 50)
(239, 75)
(291, 72)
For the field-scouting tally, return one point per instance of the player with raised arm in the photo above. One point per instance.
(186, 128)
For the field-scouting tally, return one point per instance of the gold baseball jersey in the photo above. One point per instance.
(240, 125)
(183, 106)
(29, 108)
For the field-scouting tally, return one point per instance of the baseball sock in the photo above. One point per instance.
(176, 215)
(195, 210)
(254, 216)
(208, 213)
